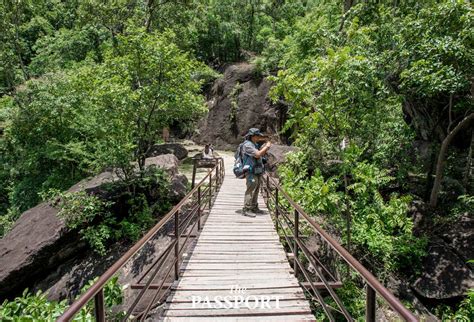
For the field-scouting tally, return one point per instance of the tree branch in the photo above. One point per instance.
(442, 152)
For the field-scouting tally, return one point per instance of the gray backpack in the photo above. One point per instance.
(240, 168)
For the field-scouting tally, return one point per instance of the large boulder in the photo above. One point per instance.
(32, 247)
(445, 274)
(276, 155)
(168, 148)
(39, 241)
(178, 187)
(238, 101)
(446, 271)
(167, 162)
(461, 236)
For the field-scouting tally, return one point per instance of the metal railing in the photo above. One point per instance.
(183, 219)
(320, 277)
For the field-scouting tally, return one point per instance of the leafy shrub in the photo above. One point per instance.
(463, 313)
(96, 220)
(36, 307)
(380, 227)
(80, 210)
(77, 208)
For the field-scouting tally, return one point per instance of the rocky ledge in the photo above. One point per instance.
(39, 243)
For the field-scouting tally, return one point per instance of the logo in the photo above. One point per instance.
(237, 298)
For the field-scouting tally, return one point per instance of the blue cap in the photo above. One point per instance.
(254, 131)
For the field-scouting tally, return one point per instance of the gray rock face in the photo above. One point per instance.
(39, 241)
(167, 162)
(178, 187)
(277, 155)
(461, 237)
(237, 102)
(31, 242)
(169, 148)
(446, 274)
(95, 185)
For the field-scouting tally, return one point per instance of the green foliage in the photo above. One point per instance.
(36, 307)
(463, 313)
(64, 126)
(89, 85)
(66, 47)
(360, 89)
(463, 206)
(108, 78)
(40, 130)
(379, 227)
(225, 30)
(77, 208)
(315, 194)
(113, 292)
(98, 222)
(438, 60)
(145, 84)
(80, 210)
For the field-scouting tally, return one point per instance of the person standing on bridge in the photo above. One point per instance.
(252, 155)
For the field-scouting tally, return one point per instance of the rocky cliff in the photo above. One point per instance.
(238, 101)
(40, 252)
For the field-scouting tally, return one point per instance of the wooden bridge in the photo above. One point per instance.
(240, 258)
(223, 266)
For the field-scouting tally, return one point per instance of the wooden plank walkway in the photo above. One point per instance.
(240, 258)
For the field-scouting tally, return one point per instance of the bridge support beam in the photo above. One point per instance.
(295, 244)
(99, 310)
(176, 245)
(210, 190)
(199, 208)
(276, 209)
(370, 304)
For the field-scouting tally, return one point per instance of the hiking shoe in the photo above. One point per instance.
(247, 213)
(258, 211)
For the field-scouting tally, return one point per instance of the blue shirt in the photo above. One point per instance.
(249, 149)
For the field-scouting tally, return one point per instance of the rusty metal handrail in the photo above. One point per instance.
(373, 285)
(96, 290)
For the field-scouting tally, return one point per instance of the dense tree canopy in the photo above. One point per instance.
(89, 85)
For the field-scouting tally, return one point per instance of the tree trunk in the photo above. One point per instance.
(442, 152)
(467, 172)
(251, 23)
(19, 51)
(347, 5)
(150, 9)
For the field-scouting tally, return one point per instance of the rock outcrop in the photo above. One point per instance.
(277, 155)
(167, 162)
(39, 242)
(238, 101)
(446, 273)
(168, 148)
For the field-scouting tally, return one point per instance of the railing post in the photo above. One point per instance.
(222, 168)
(199, 208)
(276, 209)
(176, 245)
(210, 189)
(99, 309)
(295, 244)
(370, 304)
(268, 188)
(194, 174)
